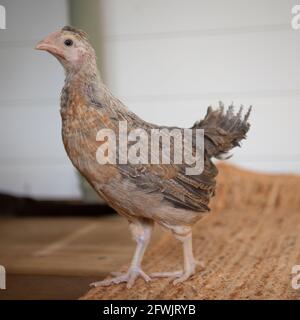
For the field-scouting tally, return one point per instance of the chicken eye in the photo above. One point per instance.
(68, 42)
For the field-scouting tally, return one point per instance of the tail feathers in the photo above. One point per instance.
(223, 130)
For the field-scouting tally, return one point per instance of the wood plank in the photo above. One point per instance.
(65, 246)
(57, 258)
(44, 287)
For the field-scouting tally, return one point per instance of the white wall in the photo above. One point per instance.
(168, 60)
(32, 158)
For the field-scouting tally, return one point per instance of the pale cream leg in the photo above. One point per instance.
(189, 262)
(184, 235)
(141, 231)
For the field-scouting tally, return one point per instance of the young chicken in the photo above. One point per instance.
(142, 193)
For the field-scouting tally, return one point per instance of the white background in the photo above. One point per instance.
(167, 60)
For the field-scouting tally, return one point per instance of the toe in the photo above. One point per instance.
(180, 279)
(171, 274)
(134, 274)
(145, 276)
(108, 282)
(184, 276)
(131, 279)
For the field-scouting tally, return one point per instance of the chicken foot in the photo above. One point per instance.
(141, 231)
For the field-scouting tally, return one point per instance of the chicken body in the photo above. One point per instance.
(143, 193)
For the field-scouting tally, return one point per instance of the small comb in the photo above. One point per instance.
(76, 31)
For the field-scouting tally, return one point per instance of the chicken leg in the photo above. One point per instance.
(183, 234)
(141, 230)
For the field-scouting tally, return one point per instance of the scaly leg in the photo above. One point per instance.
(141, 231)
(184, 235)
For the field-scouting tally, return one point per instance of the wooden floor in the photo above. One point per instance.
(57, 258)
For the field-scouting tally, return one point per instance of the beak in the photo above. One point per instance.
(48, 44)
(42, 45)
